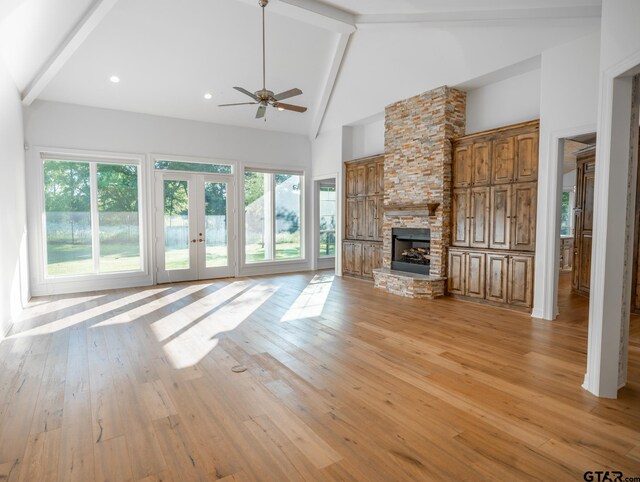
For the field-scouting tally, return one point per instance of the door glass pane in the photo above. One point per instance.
(68, 218)
(288, 234)
(257, 210)
(215, 220)
(176, 225)
(118, 217)
(327, 207)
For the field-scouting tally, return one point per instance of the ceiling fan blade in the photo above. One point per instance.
(287, 94)
(262, 110)
(295, 108)
(241, 103)
(246, 92)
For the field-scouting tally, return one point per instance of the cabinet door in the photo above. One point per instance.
(497, 275)
(351, 181)
(351, 220)
(371, 258)
(380, 220)
(520, 280)
(503, 160)
(527, 157)
(361, 217)
(371, 218)
(482, 163)
(361, 180)
(352, 258)
(523, 218)
(380, 177)
(372, 182)
(500, 218)
(479, 222)
(475, 275)
(457, 272)
(462, 166)
(460, 216)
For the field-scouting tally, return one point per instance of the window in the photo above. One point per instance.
(566, 213)
(92, 222)
(327, 214)
(273, 216)
(193, 167)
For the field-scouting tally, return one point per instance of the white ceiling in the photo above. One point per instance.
(168, 53)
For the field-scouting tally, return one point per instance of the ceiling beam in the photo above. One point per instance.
(91, 19)
(589, 11)
(330, 82)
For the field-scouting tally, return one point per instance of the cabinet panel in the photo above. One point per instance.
(479, 222)
(380, 177)
(496, 279)
(457, 272)
(500, 218)
(523, 219)
(481, 163)
(352, 258)
(527, 157)
(380, 214)
(460, 217)
(502, 166)
(520, 281)
(584, 260)
(371, 258)
(351, 221)
(475, 274)
(350, 182)
(462, 166)
(372, 182)
(371, 218)
(361, 220)
(361, 180)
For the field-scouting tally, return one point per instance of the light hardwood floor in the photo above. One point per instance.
(343, 382)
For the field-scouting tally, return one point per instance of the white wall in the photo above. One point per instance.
(516, 99)
(13, 264)
(66, 126)
(568, 106)
(569, 180)
(364, 140)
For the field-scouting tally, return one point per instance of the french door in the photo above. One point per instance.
(195, 229)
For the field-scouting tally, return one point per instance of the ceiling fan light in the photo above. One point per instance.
(280, 109)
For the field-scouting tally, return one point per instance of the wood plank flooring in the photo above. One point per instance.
(342, 382)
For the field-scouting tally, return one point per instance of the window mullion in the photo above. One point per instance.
(273, 216)
(95, 228)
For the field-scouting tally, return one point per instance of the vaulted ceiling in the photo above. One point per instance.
(349, 57)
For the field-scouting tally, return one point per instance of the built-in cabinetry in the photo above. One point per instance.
(566, 253)
(583, 220)
(494, 203)
(364, 190)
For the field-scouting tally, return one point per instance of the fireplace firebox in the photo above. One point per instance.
(411, 250)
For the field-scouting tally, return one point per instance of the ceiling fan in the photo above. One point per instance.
(264, 97)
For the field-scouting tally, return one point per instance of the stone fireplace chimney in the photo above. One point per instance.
(417, 176)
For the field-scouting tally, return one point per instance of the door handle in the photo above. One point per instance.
(193, 240)
(201, 240)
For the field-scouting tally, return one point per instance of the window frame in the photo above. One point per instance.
(319, 216)
(272, 205)
(572, 206)
(52, 284)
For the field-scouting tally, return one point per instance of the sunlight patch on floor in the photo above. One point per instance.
(311, 301)
(193, 344)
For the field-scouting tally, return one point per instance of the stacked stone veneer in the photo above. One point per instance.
(418, 168)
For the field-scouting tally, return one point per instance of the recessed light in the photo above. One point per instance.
(208, 96)
(115, 79)
(280, 109)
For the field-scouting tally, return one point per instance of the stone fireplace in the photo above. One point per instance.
(417, 190)
(411, 250)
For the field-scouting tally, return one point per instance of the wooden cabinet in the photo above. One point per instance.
(462, 166)
(520, 281)
(481, 163)
(566, 254)
(500, 217)
(583, 221)
(362, 247)
(496, 277)
(493, 214)
(479, 220)
(524, 205)
(460, 217)
(503, 160)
